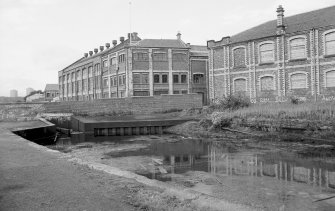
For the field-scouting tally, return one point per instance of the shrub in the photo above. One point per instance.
(231, 102)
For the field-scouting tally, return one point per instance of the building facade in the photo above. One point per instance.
(136, 67)
(51, 91)
(291, 56)
(13, 93)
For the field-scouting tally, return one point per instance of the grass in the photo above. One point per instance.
(320, 111)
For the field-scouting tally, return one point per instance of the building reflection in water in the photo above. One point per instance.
(223, 163)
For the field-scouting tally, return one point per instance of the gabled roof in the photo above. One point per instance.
(300, 22)
(51, 87)
(161, 43)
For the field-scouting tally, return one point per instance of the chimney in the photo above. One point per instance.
(134, 35)
(96, 50)
(108, 45)
(85, 55)
(178, 36)
(114, 42)
(128, 35)
(101, 48)
(121, 39)
(91, 53)
(280, 17)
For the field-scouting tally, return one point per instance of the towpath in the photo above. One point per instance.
(33, 178)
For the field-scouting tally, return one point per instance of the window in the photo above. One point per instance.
(84, 85)
(156, 78)
(121, 58)
(164, 78)
(115, 81)
(78, 75)
(140, 56)
(198, 78)
(90, 84)
(105, 63)
(179, 57)
(266, 53)
(330, 78)
(267, 83)
(297, 48)
(105, 82)
(183, 79)
(141, 93)
(160, 56)
(120, 80)
(330, 43)
(72, 76)
(90, 70)
(184, 91)
(240, 85)
(298, 81)
(239, 57)
(175, 92)
(141, 78)
(160, 92)
(124, 79)
(113, 61)
(175, 79)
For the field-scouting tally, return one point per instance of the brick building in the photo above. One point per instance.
(51, 91)
(136, 67)
(291, 56)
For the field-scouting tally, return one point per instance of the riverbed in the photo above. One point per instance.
(264, 174)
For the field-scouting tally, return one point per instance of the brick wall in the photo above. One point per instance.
(135, 104)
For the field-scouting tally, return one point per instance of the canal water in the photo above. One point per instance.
(270, 178)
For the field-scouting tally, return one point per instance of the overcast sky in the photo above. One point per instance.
(40, 37)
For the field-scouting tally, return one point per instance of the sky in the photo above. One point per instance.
(38, 38)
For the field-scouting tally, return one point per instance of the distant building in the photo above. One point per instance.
(37, 97)
(28, 91)
(282, 58)
(51, 91)
(13, 93)
(136, 67)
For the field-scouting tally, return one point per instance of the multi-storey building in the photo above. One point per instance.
(137, 67)
(292, 56)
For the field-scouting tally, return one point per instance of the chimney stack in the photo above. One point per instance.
(178, 36)
(108, 45)
(85, 55)
(280, 17)
(114, 43)
(135, 35)
(101, 48)
(96, 50)
(121, 39)
(91, 53)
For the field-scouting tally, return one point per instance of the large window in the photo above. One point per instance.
(105, 82)
(140, 78)
(266, 53)
(159, 56)
(175, 78)
(156, 78)
(165, 78)
(330, 43)
(297, 48)
(239, 57)
(140, 56)
(113, 61)
(121, 58)
(240, 85)
(330, 78)
(298, 81)
(267, 83)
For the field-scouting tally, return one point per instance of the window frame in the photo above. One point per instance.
(324, 34)
(245, 56)
(246, 83)
(273, 79)
(295, 73)
(260, 55)
(289, 47)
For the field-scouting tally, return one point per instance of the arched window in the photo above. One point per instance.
(267, 83)
(330, 78)
(298, 81)
(330, 43)
(239, 57)
(240, 85)
(297, 48)
(266, 53)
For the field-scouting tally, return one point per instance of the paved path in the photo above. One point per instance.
(32, 178)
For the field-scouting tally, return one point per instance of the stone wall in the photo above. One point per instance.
(132, 105)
